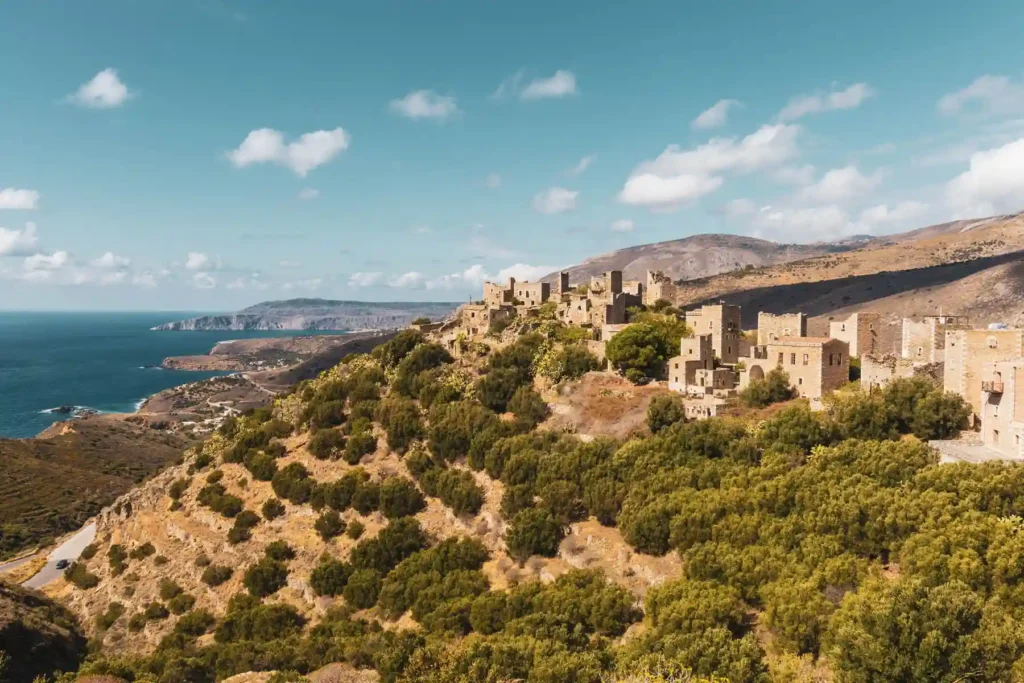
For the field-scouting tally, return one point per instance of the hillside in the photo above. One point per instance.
(965, 268)
(698, 256)
(316, 314)
(37, 637)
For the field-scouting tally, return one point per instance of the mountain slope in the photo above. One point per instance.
(316, 314)
(698, 256)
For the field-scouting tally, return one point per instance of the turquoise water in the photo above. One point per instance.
(95, 360)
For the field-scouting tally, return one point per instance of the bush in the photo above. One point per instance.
(456, 488)
(272, 509)
(155, 611)
(424, 357)
(110, 616)
(399, 497)
(160, 560)
(89, 551)
(177, 488)
(499, 385)
(329, 525)
(215, 497)
(362, 588)
(355, 529)
(528, 407)
(774, 388)
(241, 531)
(327, 444)
(279, 550)
(261, 465)
(169, 589)
(180, 604)
(215, 575)
(664, 411)
(366, 498)
(142, 552)
(137, 622)
(567, 362)
(400, 419)
(359, 445)
(202, 560)
(534, 532)
(399, 539)
(393, 351)
(641, 347)
(330, 577)
(266, 577)
(293, 483)
(453, 426)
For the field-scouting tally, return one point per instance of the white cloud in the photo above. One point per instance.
(555, 200)
(993, 95)
(839, 185)
(54, 261)
(310, 150)
(408, 280)
(795, 175)
(364, 279)
(736, 208)
(714, 116)
(13, 198)
(817, 103)
(658, 192)
(18, 242)
(110, 261)
(583, 165)
(622, 225)
(769, 145)
(493, 181)
(145, 279)
(104, 91)
(308, 193)
(994, 182)
(806, 224)
(903, 214)
(560, 84)
(197, 261)
(203, 280)
(475, 276)
(425, 104)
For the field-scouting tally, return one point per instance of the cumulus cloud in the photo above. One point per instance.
(13, 198)
(406, 280)
(656, 192)
(104, 91)
(555, 200)
(583, 165)
(310, 150)
(622, 225)
(41, 261)
(839, 185)
(903, 214)
(817, 103)
(144, 279)
(308, 193)
(993, 183)
(110, 261)
(735, 208)
(831, 221)
(561, 84)
(359, 280)
(198, 261)
(991, 95)
(310, 285)
(203, 280)
(493, 181)
(18, 242)
(425, 104)
(794, 175)
(715, 116)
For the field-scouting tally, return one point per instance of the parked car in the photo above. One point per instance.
(63, 564)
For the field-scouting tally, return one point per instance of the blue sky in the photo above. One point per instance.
(207, 154)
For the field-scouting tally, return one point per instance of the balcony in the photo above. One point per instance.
(992, 387)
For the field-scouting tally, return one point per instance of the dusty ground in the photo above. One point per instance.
(600, 404)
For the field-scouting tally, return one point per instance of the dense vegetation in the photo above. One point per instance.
(830, 539)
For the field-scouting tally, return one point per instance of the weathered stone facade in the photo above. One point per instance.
(877, 372)
(702, 408)
(695, 353)
(771, 326)
(1002, 407)
(722, 322)
(860, 331)
(924, 340)
(659, 286)
(815, 365)
(967, 352)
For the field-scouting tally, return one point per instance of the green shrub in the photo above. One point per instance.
(293, 483)
(330, 576)
(400, 419)
(359, 444)
(242, 529)
(399, 539)
(664, 411)
(642, 348)
(180, 604)
(392, 352)
(327, 444)
(329, 525)
(362, 588)
(528, 407)
(155, 611)
(355, 529)
(261, 466)
(143, 551)
(272, 509)
(774, 388)
(137, 622)
(279, 550)
(89, 551)
(168, 589)
(215, 575)
(110, 616)
(399, 497)
(214, 477)
(266, 577)
(177, 488)
(534, 531)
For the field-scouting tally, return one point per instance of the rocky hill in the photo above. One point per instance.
(699, 256)
(37, 637)
(316, 314)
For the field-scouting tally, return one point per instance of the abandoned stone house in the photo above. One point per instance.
(695, 353)
(966, 353)
(815, 365)
(603, 303)
(771, 326)
(1002, 407)
(722, 322)
(659, 286)
(877, 371)
(860, 331)
(924, 340)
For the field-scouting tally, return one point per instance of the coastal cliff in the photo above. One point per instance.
(315, 314)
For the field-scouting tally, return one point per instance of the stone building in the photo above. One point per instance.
(877, 371)
(477, 317)
(815, 365)
(967, 352)
(1002, 407)
(695, 353)
(604, 302)
(523, 294)
(860, 331)
(722, 322)
(702, 408)
(771, 326)
(659, 286)
(925, 340)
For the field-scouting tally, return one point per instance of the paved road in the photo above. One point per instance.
(68, 550)
(14, 564)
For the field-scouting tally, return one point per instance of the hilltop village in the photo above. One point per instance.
(717, 359)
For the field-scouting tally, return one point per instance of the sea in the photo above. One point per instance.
(107, 362)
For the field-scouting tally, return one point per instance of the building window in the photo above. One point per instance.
(839, 359)
(830, 359)
(871, 326)
(792, 359)
(995, 436)
(781, 357)
(844, 327)
(800, 381)
(807, 359)
(677, 366)
(728, 349)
